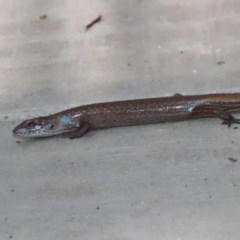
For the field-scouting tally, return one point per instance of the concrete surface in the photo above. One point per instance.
(162, 181)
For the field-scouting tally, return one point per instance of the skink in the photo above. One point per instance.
(75, 122)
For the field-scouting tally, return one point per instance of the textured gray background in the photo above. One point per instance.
(162, 181)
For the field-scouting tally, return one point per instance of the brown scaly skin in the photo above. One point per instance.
(75, 122)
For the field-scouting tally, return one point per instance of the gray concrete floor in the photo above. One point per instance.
(162, 181)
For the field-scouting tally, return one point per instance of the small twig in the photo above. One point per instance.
(96, 20)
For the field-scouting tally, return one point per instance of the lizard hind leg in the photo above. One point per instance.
(227, 117)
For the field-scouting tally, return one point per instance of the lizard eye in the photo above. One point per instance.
(31, 124)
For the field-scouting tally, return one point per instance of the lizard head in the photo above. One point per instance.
(43, 127)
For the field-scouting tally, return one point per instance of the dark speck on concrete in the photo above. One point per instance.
(235, 127)
(97, 207)
(10, 236)
(6, 117)
(43, 17)
(181, 52)
(18, 141)
(220, 62)
(12, 190)
(232, 159)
